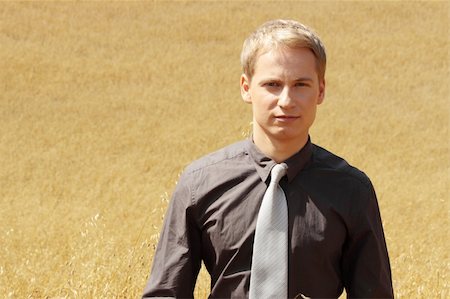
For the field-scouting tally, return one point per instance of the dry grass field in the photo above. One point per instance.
(103, 104)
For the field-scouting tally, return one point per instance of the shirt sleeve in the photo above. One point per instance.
(177, 259)
(365, 261)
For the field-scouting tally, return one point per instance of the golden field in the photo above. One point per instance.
(103, 104)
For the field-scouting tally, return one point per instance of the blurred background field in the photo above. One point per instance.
(103, 104)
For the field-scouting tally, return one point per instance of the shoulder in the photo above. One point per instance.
(210, 173)
(349, 189)
(229, 154)
(331, 164)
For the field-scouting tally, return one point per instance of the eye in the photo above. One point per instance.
(271, 84)
(301, 84)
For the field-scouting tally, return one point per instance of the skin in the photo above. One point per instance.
(284, 93)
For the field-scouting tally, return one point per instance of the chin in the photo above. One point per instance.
(287, 136)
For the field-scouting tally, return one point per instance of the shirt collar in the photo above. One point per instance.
(264, 164)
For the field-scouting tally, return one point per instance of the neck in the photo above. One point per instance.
(278, 150)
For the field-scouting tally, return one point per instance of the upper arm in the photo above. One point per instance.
(177, 259)
(365, 261)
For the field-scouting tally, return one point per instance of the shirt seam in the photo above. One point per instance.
(195, 184)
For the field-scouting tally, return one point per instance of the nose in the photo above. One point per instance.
(285, 100)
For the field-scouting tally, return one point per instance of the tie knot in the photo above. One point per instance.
(278, 171)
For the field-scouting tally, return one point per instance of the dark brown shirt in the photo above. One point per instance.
(336, 238)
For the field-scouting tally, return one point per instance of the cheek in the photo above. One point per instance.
(260, 109)
(263, 101)
(309, 100)
(312, 114)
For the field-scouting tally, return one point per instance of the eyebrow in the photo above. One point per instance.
(275, 79)
(301, 79)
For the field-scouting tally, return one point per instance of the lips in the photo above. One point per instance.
(286, 118)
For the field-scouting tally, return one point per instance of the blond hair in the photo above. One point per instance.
(273, 34)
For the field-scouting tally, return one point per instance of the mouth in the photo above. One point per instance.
(286, 118)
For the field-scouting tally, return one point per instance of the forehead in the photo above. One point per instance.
(286, 61)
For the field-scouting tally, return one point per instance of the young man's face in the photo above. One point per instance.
(284, 92)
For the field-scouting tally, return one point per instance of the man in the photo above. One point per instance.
(331, 233)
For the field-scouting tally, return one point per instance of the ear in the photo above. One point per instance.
(321, 91)
(245, 89)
